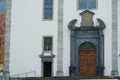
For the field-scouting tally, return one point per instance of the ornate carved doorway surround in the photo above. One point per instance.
(86, 33)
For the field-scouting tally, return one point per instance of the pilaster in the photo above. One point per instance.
(114, 71)
(60, 39)
(7, 40)
(101, 47)
(72, 68)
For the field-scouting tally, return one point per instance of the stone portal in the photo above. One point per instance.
(87, 32)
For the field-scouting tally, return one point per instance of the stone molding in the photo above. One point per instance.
(79, 35)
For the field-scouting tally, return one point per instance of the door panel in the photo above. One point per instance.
(82, 63)
(87, 63)
(47, 72)
(91, 63)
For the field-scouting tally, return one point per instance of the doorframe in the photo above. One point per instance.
(99, 55)
(81, 34)
(47, 58)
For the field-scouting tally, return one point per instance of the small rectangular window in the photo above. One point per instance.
(47, 43)
(87, 4)
(48, 9)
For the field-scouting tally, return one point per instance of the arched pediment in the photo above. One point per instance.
(87, 22)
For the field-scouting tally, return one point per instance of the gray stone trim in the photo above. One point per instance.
(80, 35)
(60, 39)
(114, 71)
(46, 58)
(7, 40)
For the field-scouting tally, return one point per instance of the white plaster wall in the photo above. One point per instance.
(103, 12)
(119, 36)
(28, 27)
(27, 30)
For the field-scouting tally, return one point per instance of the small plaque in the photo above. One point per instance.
(87, 18)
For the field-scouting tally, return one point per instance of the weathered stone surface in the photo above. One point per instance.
(7, 41)
(114, 71)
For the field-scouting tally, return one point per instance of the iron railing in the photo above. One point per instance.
(25, 74)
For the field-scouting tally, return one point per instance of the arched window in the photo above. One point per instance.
(87, 46)
(87, 4)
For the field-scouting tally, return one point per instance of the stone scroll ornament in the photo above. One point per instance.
(2, 32)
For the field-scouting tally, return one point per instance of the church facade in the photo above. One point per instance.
(61, 38)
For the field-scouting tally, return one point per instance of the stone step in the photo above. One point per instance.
(66, 78)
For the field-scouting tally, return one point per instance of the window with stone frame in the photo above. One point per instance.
(87, 4)
(48, 9)
(47, 43)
